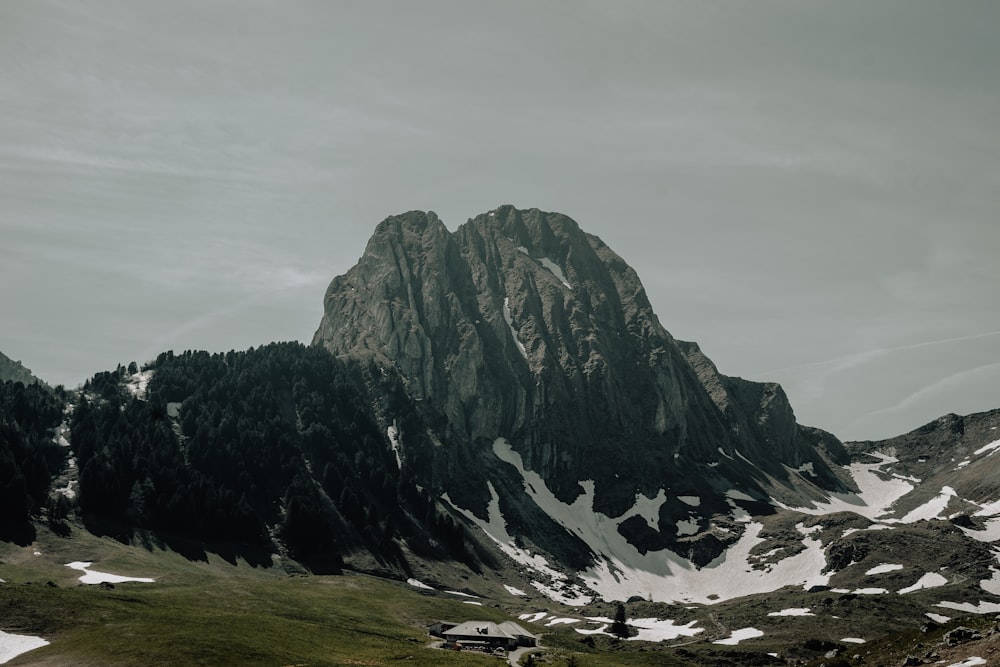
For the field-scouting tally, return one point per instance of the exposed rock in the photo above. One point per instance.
(520, 325)
(14, 371)
(960, 635)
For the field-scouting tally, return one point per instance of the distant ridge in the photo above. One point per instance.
(14, 371)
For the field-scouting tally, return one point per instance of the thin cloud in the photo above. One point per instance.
(938, 388)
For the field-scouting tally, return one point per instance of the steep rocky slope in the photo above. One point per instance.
(521, 326)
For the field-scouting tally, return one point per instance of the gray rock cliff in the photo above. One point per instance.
(522, 326)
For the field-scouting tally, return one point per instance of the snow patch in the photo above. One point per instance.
(461, 594)
(533, 618)
(556, 271)
(869, 591)
(561, 621)
(396, 443)
(988, 509)
(878, 490)
(621, 571)
(884, 567)
(94, 577)
(992, 585)
(940, 618)
(793, 611)
(853, 640)
(138, 383)
(12, 645)
(929, 580)
(991, 448)
(656, 630)
(515, 591)
(647, 508)
(972, 661)
(991, 533)
(416, 583)
(687, 527)
(510, 325)
(982, 608)
(478, 604)
(931, 509)
(496, 529)
(739, 635)
(693, 501)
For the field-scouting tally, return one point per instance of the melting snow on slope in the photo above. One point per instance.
(853, 640)
(461, 594)
(393, 433)
(878, 490)
(739, 635)
(991, 585)
(937, 617)
(416, 583)
(794, 611)
(991, 533)
(94, 577)
(496, 529)
(693, 501)
(12, 645)
(648, 508)
(991, 448)
(988, 509)
(533, 618)
(982, 608)
(656, 630)
(561, 621)
(621, 571)
(931, 509)
(556, 271)
(973, 661)
(929, 580)
(514, 591)
(510, 324)
(885, 567)
(138, 383)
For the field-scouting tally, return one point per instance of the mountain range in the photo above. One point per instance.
(499, 409)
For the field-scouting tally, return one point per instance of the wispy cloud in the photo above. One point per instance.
(939, 388)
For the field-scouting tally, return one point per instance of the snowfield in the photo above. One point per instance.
(929, 580)
(884, 567)
(416, 583)
(739, 635)
(94, 577)
(794, 611)
(12, 645)
(621, 571)
(878, 491)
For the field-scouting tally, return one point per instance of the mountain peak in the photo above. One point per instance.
(520, 326)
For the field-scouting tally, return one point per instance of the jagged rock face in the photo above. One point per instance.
(519, 325)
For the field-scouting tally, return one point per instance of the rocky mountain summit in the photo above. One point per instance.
(520, 326)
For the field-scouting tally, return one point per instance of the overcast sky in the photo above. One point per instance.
(810, 190)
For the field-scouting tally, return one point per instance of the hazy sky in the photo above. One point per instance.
(810, 190)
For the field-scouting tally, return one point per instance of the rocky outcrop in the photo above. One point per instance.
(520, 325)
(14, 371)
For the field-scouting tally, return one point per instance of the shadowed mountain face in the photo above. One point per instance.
(521, 326)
